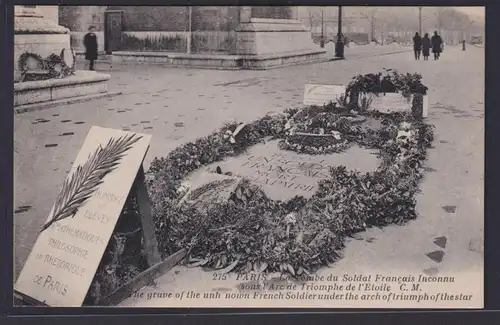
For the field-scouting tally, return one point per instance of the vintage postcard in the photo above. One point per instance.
(322, 157)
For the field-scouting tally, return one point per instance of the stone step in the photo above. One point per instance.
(221, 61)
(101, 56)
(37, 72)
(62, 102)
(81, 84)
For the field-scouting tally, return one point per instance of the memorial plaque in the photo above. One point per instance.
(391, 102)
(65, 257)
(425, 106)
(319, 95)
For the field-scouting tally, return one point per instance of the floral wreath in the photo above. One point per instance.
(251, 232)
(388, 81)
(332, 129)
(55, 65)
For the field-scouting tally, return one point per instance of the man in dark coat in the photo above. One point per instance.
(437, 45)
(90, 42)
(417, 45)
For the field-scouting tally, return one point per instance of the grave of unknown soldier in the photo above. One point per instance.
(285, 174)
(70, 246)
(296, 200)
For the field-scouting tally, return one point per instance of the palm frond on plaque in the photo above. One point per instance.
(80, 186)
(365, 101)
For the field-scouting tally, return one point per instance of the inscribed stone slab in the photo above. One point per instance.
(284, 174)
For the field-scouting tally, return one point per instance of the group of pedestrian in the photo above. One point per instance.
(425, 44)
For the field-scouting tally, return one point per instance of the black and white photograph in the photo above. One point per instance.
(239, 156)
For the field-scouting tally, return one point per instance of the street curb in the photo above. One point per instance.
(382, 54)
(193, 67)
(322, 60)
(44, 105)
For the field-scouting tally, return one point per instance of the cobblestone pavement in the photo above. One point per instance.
(179, 105)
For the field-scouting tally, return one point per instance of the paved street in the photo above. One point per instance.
(179, 105)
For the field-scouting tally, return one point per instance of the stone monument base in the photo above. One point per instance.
(286, 40)
(272, 36)
(84, 85)
(260, 44)
(218, 61)
(37, 35)
(43, 45)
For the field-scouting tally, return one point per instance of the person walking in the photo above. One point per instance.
(417, 45)
(437, 45)
(426, 46)
(90, 42)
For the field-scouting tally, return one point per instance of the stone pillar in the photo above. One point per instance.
(275, 32)
(245, 14)
(27, 11)
(31, 19)
(294, 13)
(50, 13)
(35, 34)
